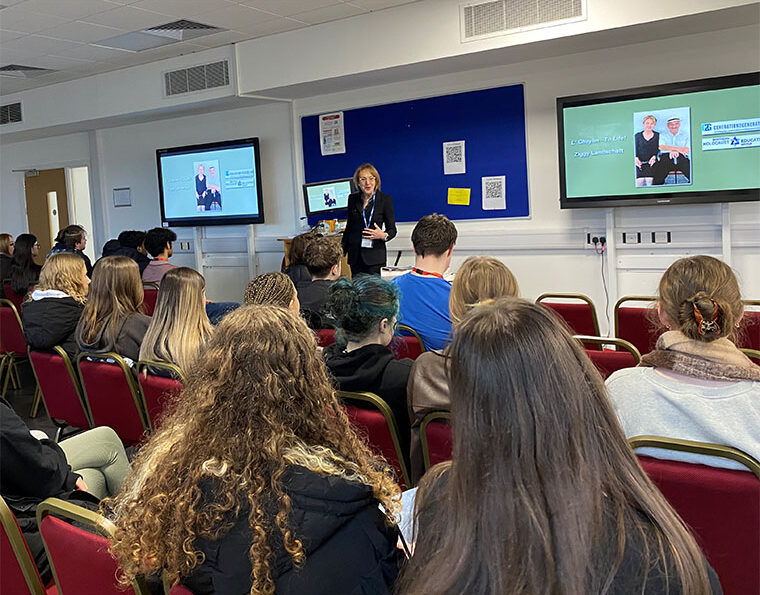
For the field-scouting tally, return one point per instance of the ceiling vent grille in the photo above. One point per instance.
(197, 78)
(502, 17)
(23, 72)
(10, 113)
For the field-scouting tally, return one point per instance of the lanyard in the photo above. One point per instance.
(371, 213)
(426, 273)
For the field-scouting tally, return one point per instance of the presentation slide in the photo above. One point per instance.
(688, 142)
(328, 196)
(213, 183)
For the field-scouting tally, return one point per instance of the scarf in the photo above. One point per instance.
(716, 360)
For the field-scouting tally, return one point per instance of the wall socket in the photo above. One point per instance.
(632, 237)
(661, 237)
(590, 235)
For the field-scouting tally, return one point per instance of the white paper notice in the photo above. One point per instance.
(494, 192)
(453, 157)
(332, 139)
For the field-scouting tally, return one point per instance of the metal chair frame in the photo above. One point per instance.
(630, 298)
(11, 373)
(602, 341)
(575, 296)
(18, 545)
(405, 328)
(143, 367)
(432, 416)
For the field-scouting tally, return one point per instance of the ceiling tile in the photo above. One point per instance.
(128, 17)
(379, 4)
(184, 8)
(57, 62)
(286, 8)
(235, 17)
(84, 32)
(69, 9)
(6, 35)
(224, 38)
(17, 18)
(273, 27)
(328, 13)
(39, 45)
(91, 52)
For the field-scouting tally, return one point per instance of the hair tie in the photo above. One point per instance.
(707, 326)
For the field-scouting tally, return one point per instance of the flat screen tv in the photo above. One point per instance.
(327, 197)
(211, 184)
(688, 142)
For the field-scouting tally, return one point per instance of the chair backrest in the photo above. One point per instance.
(20, 575)
(150, 296)
(407, 343)
(79, 559)
(579, 314)
(721, 506)
(749, 330)
(632, 322)
(157, 390)
(373, 418)
(752, 354)
(436, 439)
(12, 296)
(325, 336)
(60, 387)
(11, 329)
(608, 361)
(112, 395)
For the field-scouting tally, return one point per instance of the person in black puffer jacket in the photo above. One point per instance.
(50, 318)
(130, 244)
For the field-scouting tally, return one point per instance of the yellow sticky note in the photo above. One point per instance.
(459, 196)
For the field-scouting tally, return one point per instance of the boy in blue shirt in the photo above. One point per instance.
(424, 293)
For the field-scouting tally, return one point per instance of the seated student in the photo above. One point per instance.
(6, 254)
(424, 293)
(271, 488)
(23, 272)
(273, 289)
(696, 384)
(158, 242)
(543, 487)
(73, 239)
(323, 261)
(112, 319)
(52, 315)
(297, 270)
(81, 469)
(365, 311)
(179, 327)
(480, 279)
(132, 245)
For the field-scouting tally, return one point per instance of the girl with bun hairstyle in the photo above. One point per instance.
(365, 311)
(696, 384)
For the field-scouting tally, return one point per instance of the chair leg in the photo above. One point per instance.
(8, 375)
(36, 402)
(16, 380)
(58, 433)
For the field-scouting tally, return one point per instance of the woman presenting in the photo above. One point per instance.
(369, 211)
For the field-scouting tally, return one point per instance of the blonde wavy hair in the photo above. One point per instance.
(179, 327)
(258, 401)
(65, 272)
(478, 280)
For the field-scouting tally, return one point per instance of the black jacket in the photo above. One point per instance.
(5, 271)
(113, 248)
(349, 549)
(314, 296)
(52, 321)
(352, 236)
(372, 369)
(298, 273)
(59, 247)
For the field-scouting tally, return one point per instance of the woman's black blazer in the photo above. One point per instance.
(352, 236)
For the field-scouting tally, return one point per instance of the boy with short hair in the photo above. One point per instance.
(322, 257)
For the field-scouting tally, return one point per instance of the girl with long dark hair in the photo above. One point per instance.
(23, 271)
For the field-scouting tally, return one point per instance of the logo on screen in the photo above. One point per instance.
(734, 141)
(707, 127)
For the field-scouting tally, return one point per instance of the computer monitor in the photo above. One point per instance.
(327, 197)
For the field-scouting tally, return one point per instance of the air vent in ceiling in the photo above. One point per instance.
(23, 72)
(160, 35)
(502, 17)
(10, 113)
(197, 78)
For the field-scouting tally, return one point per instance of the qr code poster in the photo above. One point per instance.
(494, 193)
(453, 158)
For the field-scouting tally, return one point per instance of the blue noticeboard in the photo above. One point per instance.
(404, 141)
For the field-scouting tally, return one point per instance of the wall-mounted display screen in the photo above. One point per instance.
(327, 197)
(211, 184)
(688, 142)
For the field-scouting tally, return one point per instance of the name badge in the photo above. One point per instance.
(366, 243)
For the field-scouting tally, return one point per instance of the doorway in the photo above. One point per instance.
(47, 206)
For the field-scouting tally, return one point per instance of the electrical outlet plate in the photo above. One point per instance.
(592, 234)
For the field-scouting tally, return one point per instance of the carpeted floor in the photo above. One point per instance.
(21, 401)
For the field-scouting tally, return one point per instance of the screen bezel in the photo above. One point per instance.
(219, 219)
(659, 198)
(308, 185)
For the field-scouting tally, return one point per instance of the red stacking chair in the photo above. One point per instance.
(435, 436)
(721, 506)
(12, 296)
(150, 296)
(157, 390)
(580, 314)
(325, 336)
(407, 343)
(375, 420)
(112, 395)
(20, 576)
(608, 361)
(13, 344)
(79, 559)
(60, 389)
(749, 329)
(632, 322)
